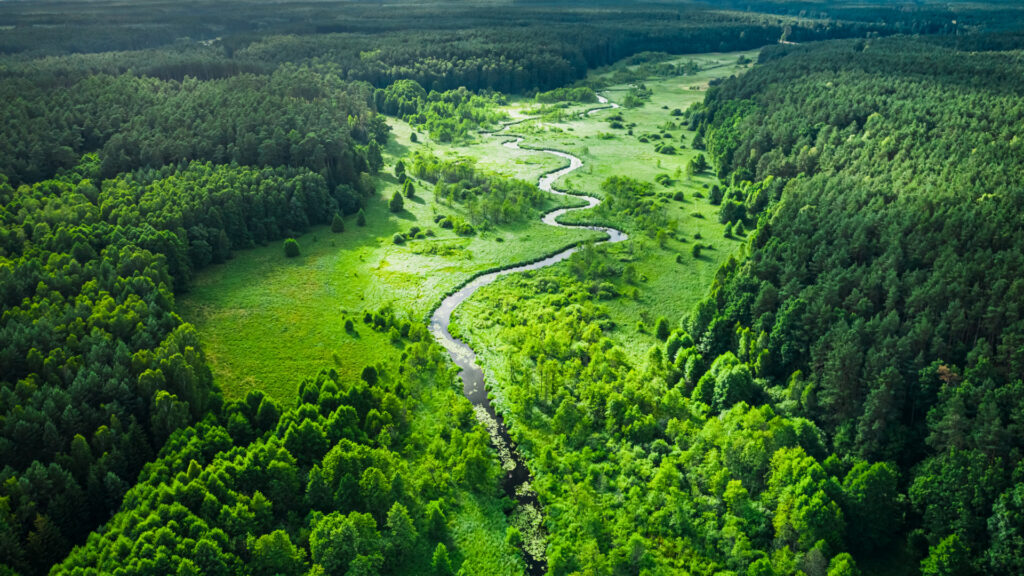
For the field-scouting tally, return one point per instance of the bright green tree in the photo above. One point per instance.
(274, 554)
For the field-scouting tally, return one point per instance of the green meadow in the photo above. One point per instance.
(266, 320)
(671, 278)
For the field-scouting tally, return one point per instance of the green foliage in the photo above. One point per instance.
(291, 247)
(636, 96)
(661, 329)
(337, 224)
(487, 197)
(402, 535)
(316, 484)
(257, 122)
(440, 562)
(635, 201)
(361, 218)
(449, 116)
(274, 554)
(396, 204)
(948, 558)
(581, 94)
(697, 165)
(853, 309)
(742, 488)
(873, 505)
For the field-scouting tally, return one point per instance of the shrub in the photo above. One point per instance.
(291, 248)
(337, 225)
(661, 329)
(398, 238)
(361, 218)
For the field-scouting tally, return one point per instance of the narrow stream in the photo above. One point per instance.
(516, 483)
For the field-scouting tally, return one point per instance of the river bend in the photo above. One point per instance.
(516, 482)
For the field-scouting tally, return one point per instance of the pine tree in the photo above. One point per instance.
(396, 204)
(440, 562)
(337, 225)
(361, 218)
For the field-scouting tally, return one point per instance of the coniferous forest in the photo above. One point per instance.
(514, 288)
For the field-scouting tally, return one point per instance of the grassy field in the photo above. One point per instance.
(672, 279)
(267, 321)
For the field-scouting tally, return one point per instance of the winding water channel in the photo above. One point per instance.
(516, 483)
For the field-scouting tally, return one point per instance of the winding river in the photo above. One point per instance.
(516, 482)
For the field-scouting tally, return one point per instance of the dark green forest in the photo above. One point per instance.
(880, 298)
(847, 398)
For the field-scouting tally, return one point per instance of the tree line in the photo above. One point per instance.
(98, 369)
(344, 482)
(880, 297)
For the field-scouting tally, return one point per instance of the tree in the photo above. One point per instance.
(291, 248)
(1006, 532)
(337, 225)
(661, 329)
(338, 541)
(950, 557)
(402, 534)
(274, 555)
(695, 250)
(400, 171)
(408, 189)
(437, 522)
(843, 565)
(361, 218)
(396, 204)
(440, 562)
(373, 157)
(369, 375)
(872, 505)
(375, 490)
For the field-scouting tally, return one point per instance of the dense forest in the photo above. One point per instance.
(847, 396)
(342, 483)
(881, 296)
